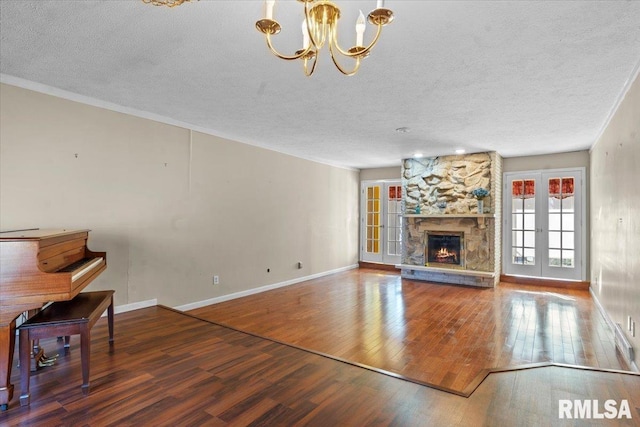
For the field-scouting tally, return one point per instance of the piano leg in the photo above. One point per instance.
(7, 347)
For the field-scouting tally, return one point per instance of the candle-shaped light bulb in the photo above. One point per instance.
(269, 8)
(360, 26)
(305, 35)
(380, 4)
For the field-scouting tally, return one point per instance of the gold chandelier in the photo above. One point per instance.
(320, 27)
(169, 3)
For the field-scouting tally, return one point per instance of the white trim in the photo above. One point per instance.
(223, 298)
(95, 102)
(621, 96)
(133, 306)
(610, 323)
(604, 313)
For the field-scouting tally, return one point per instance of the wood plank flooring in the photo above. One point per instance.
(445, 336)
(171, 369)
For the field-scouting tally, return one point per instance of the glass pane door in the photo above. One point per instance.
(381, 222)
(543, 225)
(371, 250)
(392, 246)
(522, 249)
(563, 220)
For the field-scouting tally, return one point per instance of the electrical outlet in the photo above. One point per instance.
(216, 280)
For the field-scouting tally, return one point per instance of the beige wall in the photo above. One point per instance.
(615, 213)
(171, 208)
(375, 174)
(573, 159)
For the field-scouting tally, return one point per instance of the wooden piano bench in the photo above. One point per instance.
(64, 318)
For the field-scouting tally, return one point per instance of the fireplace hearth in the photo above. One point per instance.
(444, 249)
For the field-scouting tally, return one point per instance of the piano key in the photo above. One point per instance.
(79, 273)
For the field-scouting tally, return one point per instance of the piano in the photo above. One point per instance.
(36, 267)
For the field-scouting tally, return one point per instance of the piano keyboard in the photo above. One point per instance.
(81, 267)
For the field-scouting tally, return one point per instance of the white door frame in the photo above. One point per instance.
(541, 224)
(387, 224)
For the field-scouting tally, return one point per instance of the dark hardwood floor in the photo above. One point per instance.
(171, 368)
(445, 336)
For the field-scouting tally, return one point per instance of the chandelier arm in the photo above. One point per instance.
(360, 52)
(298, 54)
(313, 67)
(339, 67)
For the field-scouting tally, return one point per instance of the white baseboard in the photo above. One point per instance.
(204, 303)
(612, 326)
(601, 309)
(134, 306)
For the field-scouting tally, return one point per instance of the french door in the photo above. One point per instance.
(381, 219)
(544, 229)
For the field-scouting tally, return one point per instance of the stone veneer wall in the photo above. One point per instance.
(451, 179)
(448, 179)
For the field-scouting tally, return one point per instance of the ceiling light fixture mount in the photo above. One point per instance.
(168, 3)
(319, 28)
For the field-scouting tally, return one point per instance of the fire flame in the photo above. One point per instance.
(444, 253)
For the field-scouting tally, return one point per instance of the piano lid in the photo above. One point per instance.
(37, 234)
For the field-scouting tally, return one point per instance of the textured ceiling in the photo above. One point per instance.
(517, 77)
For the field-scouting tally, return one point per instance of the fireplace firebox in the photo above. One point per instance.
(444, 249)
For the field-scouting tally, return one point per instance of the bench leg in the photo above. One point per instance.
(110, 321)
(25, 367)
(85, 354)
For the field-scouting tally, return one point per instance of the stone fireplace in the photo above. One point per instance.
(449, 240)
